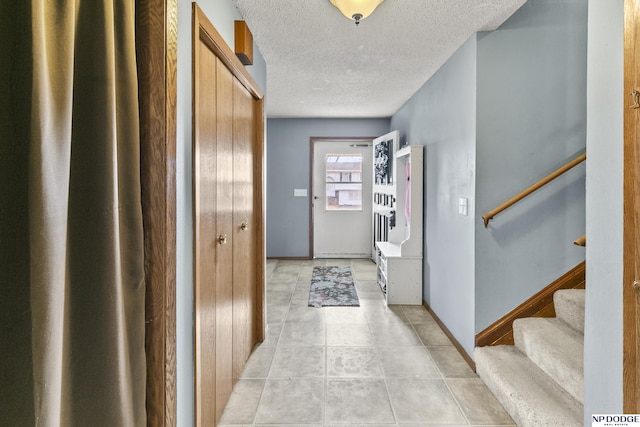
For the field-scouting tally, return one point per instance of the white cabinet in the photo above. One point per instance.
(397, 224)
(400, 277)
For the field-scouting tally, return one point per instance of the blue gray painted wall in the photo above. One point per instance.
(288, 151)
(442, 117)
(507, 109)
(221, 13)
(603, 317)
(531, 119)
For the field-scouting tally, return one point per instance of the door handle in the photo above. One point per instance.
(244, 226)
(222, 239)
(316, 198)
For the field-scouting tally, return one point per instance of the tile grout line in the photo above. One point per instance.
(370, 327)
(325, 390)
(393, 410)
(255, 415)
(455, 399)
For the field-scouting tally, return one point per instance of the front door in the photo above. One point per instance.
(341, 198)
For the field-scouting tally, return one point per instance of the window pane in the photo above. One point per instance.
(343, 182)
(344, 197)
(343, 167)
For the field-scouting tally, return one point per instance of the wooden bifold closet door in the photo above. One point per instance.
(227, 222)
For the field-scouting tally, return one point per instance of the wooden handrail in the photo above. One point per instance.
(581, 241)
(515, 199)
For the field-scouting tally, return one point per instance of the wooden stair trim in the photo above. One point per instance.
(539, 305)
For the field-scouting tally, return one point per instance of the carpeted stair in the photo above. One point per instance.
(539, 380)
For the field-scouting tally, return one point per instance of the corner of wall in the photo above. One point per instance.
(603, 358)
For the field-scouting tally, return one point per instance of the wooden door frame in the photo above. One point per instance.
(312, 142)
(631, 249)
(156, 51)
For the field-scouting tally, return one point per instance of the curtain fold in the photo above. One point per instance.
(80, 344)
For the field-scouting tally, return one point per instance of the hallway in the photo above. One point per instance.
(368, 365)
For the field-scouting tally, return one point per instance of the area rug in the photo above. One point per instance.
(332, 286)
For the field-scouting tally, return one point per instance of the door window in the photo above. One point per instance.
(343, 182)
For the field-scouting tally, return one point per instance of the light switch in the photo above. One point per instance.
(463, 204)
(299, 192)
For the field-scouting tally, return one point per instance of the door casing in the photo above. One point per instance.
(312, 141)
(157, 59)
(631, 257)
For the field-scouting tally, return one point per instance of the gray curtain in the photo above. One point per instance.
(71, 249)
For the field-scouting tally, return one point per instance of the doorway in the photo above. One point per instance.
(341, 190)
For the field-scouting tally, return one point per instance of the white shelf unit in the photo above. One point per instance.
(399, 258)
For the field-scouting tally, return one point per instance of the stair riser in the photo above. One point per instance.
(556, 349)
(569, 306)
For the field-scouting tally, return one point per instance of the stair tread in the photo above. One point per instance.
(530, 396)
(569, 306)
(556, 348)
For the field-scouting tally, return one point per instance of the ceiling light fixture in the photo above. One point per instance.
(356, 9)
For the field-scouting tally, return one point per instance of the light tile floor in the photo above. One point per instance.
(371, 365)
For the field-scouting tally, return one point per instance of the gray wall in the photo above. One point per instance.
(288, 159)
(507, 109)
(442, 117)
(221, 13)
(531, 119)
(603, 318)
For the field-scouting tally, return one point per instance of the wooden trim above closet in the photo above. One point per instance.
(210, 36)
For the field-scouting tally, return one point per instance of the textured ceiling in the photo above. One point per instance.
(319, 64)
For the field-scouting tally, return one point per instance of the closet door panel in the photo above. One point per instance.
(228, 233)
(224, 218)
(244, 298)
(205, 245)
